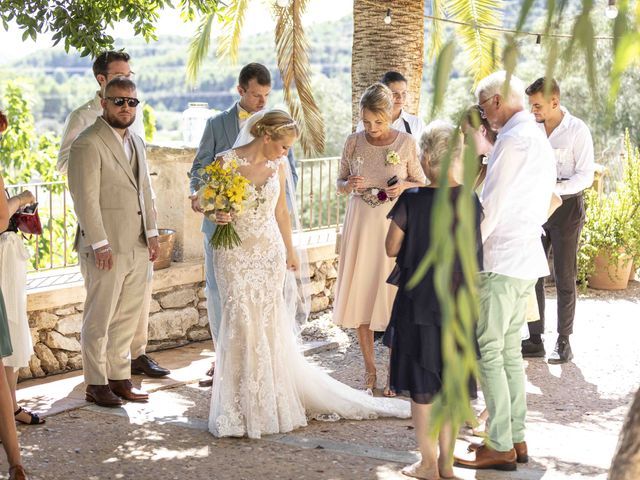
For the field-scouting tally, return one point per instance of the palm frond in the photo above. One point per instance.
(293, 63)
(199, 48)
(439, 10)
(476, 43)
(233, 20)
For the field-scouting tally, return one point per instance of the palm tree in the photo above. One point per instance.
(380, 45)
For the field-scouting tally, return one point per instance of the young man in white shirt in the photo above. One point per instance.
(573, 149)
(107, 66)
(515, 201)
(400, 119)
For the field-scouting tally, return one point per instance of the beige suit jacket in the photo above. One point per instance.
(109, 201)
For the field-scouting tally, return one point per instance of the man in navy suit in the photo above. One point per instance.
(220, 133)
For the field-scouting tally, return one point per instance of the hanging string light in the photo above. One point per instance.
(283, 3)
(387, 17)
(387, 20)
(539, 40)
(611, 11)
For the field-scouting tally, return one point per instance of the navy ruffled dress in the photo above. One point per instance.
(414, 332)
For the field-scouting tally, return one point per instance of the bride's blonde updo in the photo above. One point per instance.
(275, 123)
(378, 99)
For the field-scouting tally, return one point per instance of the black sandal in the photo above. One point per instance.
(35, 418)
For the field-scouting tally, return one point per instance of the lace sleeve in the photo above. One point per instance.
(347, 154)
(415, 173)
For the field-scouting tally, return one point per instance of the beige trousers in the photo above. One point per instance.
(140, 338)
(111, 313)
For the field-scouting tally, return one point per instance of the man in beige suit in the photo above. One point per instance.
(118, 238)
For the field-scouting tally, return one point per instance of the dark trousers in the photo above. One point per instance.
(562, 233)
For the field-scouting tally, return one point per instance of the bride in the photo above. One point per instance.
(262, 383)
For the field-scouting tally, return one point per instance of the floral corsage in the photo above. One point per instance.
(374, 196)
(392, 158)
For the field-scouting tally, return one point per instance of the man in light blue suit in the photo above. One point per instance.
(220, 133)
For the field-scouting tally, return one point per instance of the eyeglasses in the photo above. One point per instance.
(481, 108)
(119, 101)
(119, 74)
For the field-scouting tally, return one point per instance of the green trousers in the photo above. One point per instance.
(503, 305)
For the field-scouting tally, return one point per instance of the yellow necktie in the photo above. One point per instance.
(243, 114)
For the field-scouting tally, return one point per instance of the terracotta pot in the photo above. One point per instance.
(167, 239)
(632, 275)
(610, 277)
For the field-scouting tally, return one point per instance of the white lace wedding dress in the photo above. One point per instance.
(262, 383)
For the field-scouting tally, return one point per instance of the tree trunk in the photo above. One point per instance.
(378, 47)
(626, 461)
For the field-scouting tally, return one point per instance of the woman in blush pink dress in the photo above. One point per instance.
(377, 165)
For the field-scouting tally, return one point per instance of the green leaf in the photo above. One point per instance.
(441, 74)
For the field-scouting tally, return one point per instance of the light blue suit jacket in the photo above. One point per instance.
(219, 135)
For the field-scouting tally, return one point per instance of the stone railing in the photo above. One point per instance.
(178, 309)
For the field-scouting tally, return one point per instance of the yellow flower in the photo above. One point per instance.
(221, 202)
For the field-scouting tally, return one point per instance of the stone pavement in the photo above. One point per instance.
(575, 415)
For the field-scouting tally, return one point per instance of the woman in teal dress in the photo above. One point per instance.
(8, 433)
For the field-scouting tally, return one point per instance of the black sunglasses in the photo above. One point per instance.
(119, 101)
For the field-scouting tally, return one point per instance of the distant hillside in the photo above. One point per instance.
(160, 68)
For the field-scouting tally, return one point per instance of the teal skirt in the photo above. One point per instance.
(5, 339)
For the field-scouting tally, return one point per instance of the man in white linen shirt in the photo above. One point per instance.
(515, 201)
(400, 119)
(573, 149)
(107, 66)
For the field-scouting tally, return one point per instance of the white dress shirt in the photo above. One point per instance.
(80, 119)
(416, 125)
(573, 149)
(521, 177)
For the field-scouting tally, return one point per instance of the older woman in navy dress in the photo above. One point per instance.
(414, 330)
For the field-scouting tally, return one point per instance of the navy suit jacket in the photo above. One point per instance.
(219, 135)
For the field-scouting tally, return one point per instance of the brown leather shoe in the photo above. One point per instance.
(17, 472)
(125, 389)
(102, 395)
(522, 454)
(487, 458)
(206, 382)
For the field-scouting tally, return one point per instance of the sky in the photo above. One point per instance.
(258, 19)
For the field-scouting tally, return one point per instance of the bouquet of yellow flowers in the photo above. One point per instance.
(222, 188)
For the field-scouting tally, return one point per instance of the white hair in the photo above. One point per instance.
(434, 146)
(494, 85)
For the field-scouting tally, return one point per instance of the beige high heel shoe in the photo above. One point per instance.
(370, 379)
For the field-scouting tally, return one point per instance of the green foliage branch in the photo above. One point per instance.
(27, 157)
(83, 24)
(460, 311)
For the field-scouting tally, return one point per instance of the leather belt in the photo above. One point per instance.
(571, 195)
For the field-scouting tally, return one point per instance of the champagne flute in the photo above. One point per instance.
(355, 169)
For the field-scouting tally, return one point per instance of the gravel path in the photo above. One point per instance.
(575, 415)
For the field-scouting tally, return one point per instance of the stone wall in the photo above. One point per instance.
(178, 313)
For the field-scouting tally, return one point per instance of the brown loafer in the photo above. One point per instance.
(102, 395)
(206, 382)
(487, 458)
(17, 472)
(145, 365)
(522, 454)
(125, 390)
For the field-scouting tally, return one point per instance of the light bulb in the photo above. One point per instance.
(387, 18)
(282, 3)
(611, 12)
